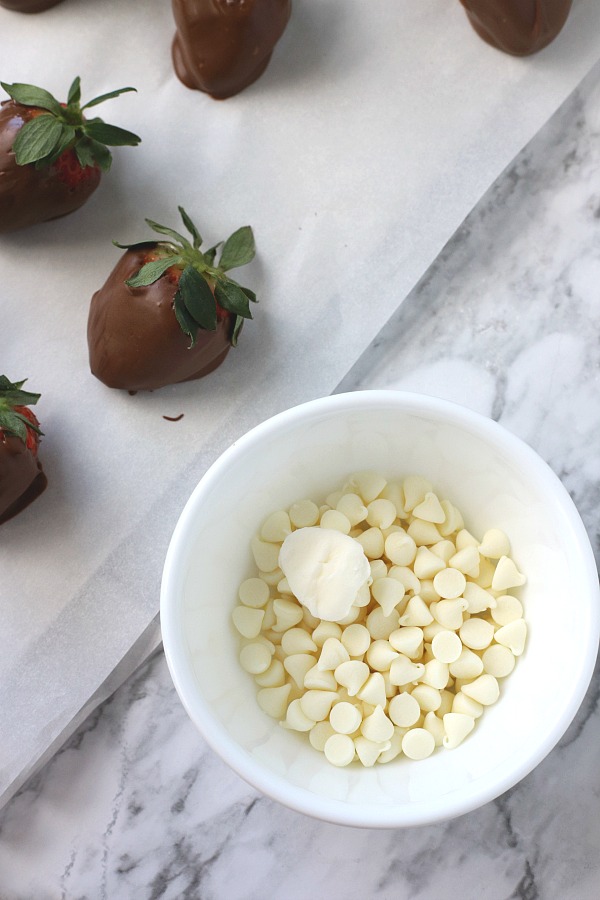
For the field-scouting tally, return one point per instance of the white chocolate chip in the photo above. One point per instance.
(345, 718)
(297, 640)
(369, 484)
(508, 609)
(404, 710)
(434, 725)
(254, 592)
(266, 555)
(498, 661)
(466, 705)
(377, 727)
(333, 653)
(336, 520)
(418, 743)
(484, 689)
(449, 583)
(457, 727)
(317, 705)
(427, 563)
(368, 751)
(416, 612)
(274, 700)
(297, 665)
(404, 671)
(388, 592)
(276, 527)
(478, 600)
(326, 630)
(428, 697)
(468, 665)
(494, 544)
(287, 612)
(255, 658)
(380, 655)
(372, 543)
(449, 613)
(339, 750)
(408, 640)
(446, 646)
(381, 626)
(356, 639)
(466, 561)
(373, 691)
(513, 636)
(353, 508)
(430, 509)
(295, 718)
(477, 634)
(423, 533)
(352, 675)
(304, 514)
(506, 575)
(248, 621)
(318, 680)
(400, 548)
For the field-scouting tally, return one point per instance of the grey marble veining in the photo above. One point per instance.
(507, 322)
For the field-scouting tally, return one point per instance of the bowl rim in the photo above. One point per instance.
(252, 770)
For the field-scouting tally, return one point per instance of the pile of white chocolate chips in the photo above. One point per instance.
(377, 623)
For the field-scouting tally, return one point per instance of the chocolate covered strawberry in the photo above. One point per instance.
(21, 475)
(519, 27)
(29, 6)
(222, 46)
(51, 155)
(168, 311)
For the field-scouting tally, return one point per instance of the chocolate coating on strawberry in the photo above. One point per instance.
(51, 156)
(29, 6)
(167, 313)
(21, 476)
(222, 46)
(518, 27)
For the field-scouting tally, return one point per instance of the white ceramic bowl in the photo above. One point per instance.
(496, 481)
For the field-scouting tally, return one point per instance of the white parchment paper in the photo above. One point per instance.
(374, 131)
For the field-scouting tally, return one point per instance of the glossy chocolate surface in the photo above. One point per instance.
(135, 342)
(21, 477)
(519, 27)
(222, 46)
(29, 195)
(29, 6)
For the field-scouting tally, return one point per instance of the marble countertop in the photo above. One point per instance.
(507, 322)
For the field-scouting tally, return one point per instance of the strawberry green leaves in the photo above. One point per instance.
(238, 250)
(60, 127)
(30, 95)
(12, 395)
(37, 139)
(202, 283)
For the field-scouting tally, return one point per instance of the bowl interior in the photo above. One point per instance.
(495, 481)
